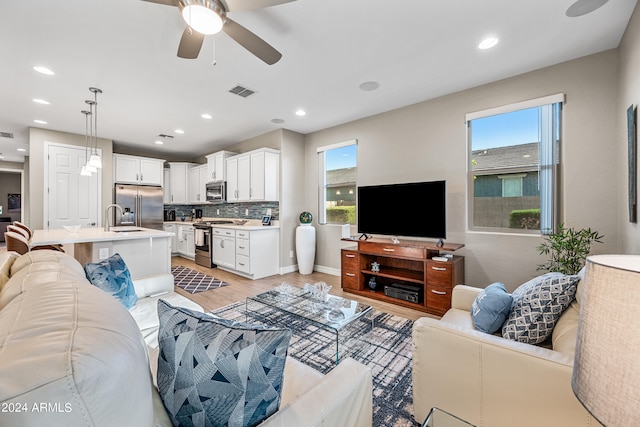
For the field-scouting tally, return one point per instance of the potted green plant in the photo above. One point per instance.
(567, 249)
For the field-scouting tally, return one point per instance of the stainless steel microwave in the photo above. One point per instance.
(217, 192)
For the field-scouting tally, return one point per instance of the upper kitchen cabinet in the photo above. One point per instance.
(137, 170)
(198, 179)
(217, 166)
(253, 176)
(179, 182)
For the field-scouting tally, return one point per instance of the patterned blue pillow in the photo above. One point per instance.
(491, 308)
(112, 276)
(213, 372)
(537, 306)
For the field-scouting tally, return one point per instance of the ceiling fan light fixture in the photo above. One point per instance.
(204, 16)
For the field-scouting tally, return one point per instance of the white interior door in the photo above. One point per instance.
(71, 199)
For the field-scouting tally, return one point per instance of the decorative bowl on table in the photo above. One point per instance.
(240, 221)
(71, 228)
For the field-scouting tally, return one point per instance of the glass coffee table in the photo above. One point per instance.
(348, 322)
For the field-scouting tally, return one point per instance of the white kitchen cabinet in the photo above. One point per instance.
(185, 241)
(257, 253)
(224, 247)
(137, 170)
(179, 182)
(198, 184)
(166, 186)
(171, 228)
(217, 166)
(253, 176)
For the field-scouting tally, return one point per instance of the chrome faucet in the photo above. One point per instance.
(107, 226)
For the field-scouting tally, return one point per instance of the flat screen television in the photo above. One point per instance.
(415, 209)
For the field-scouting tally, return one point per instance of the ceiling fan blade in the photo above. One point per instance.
(239, 5)
(190, 44)
(251, 42)
(167, 2)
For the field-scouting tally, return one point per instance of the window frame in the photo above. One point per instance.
(322, 184)
(549, 164)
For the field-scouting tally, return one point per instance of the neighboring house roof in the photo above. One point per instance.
(501, 158)
(341, 177)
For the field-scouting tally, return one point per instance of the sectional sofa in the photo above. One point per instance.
(73, 355)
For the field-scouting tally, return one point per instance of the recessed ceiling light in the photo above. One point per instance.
(40, 122)
(159, 142)
(43, 70)
(277, 121)
(22, 149)
(488, 43)
(301, 113)
(369, 86)
(41, 101)
(180, 131)
(206, 116)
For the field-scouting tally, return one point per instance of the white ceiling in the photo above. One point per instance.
(415, 49)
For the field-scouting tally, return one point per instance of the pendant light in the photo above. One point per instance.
(88, 166)
(95, 160)
(84, 171)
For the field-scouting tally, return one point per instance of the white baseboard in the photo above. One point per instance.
(318, 268)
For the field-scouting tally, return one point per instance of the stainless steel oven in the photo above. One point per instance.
(202, 238)
(217, 192)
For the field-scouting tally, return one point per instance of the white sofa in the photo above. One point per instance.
(72, 355)
(491, 381)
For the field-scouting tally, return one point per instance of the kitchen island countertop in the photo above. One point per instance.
(94, 234)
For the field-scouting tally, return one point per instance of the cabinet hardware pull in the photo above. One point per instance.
(439, 268)
(141, 178)
(438, 292)
(241, 247)
(388, 250)
(350, 256)
(350, 274)
(241, 263)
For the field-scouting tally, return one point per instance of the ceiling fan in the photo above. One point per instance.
(205, 17)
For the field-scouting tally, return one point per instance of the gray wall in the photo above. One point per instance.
(629, 90)
(428, 141)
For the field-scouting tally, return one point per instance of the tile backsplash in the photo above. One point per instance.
(229, 210)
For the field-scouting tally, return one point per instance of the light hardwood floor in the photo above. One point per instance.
(240, 288)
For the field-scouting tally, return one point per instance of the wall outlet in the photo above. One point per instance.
(268, 211)
(246, 212)
(290, 254)
(217, 211)
(104, 253)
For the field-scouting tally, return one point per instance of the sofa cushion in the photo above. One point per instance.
(218, 373)
(537, 306)
(491, 308)
(6, 261)
(35, 257)
(112, 276)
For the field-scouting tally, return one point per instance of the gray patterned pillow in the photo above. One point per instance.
(537, 306)
(212, 372)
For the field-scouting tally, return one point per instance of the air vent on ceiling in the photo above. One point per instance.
(162, 135)
(242, 91)
(6, 135)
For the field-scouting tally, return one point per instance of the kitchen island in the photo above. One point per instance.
(145, 251)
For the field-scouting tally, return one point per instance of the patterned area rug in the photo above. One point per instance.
(388, 356)
(193, 281)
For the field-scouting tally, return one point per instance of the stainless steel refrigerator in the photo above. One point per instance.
(142, 205)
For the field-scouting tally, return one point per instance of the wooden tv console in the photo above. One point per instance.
(403, 263)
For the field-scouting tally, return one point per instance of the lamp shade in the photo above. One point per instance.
(606, 371)
(204, 16)
(95, 161)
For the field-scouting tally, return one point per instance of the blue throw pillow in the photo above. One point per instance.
(491, 308)
(214, 372)
(112, 276)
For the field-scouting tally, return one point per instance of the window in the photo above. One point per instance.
(337, 191)
(513, 166)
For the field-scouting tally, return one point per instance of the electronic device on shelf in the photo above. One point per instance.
(266, 219)
(414, 209)
(406, 292)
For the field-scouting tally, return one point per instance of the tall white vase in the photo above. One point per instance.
(305, 248)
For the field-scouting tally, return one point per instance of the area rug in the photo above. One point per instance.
(388, 356)
(193, 281)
